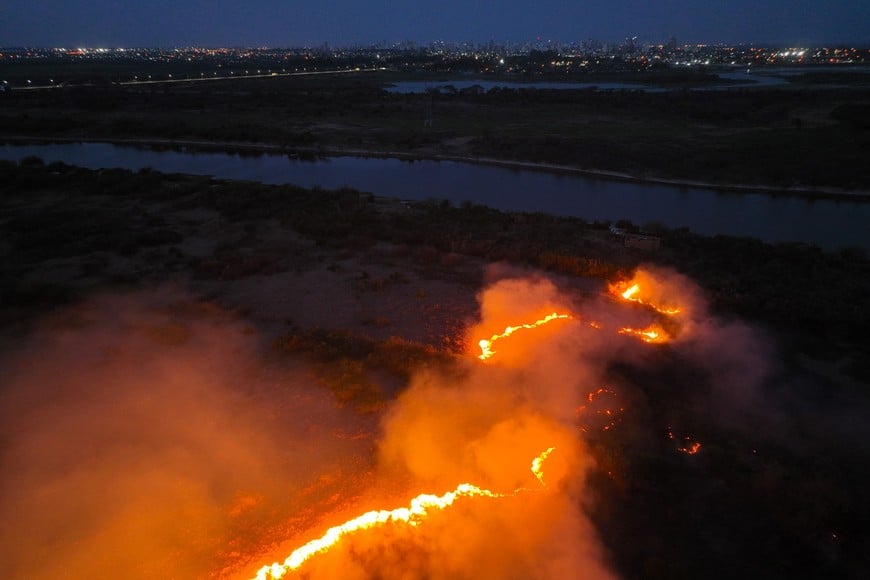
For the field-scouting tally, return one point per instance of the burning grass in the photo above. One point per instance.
(715, 439)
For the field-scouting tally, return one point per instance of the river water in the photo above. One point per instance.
(737, 79)
(830, 224)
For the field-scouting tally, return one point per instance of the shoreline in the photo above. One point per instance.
(810, 192)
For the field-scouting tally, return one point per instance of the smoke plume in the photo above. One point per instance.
(147, 436)
(144, 437)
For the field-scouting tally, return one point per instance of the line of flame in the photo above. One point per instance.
(412, 515)
(651, 334)
(629, 294)
(486, 344)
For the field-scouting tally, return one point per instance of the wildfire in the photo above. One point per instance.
(538, 462)
(633, 294)
(486, 350)
(653, 334)
(412, 515)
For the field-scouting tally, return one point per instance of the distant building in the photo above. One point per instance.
(642, 242)
(639, 241)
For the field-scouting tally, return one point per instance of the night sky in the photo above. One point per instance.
(284, 23)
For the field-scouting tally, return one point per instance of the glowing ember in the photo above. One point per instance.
(689, 445)
(538, 461)
(610, 416)
(633, 294)
(652, 334)
(486, 350)
(691, 448)
(416, 512)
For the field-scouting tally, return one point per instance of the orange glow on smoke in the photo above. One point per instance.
(485, 345)
(652, 334)
(633, 293)
(413, 515)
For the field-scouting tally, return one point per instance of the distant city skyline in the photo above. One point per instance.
(283, 23)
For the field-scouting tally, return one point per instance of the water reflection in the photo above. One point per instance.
(827, 223)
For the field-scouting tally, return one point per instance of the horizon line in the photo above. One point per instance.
(326, 45)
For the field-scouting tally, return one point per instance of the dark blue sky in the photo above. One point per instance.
(282, 23)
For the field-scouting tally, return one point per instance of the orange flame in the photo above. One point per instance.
(412, 515)
(691, 448)
(632, 294)
(653, 334)
(485, 345)
(538, 462)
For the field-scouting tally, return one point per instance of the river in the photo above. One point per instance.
(735, 80)
(830, 224)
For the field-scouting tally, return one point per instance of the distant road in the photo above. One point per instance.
(202, 79)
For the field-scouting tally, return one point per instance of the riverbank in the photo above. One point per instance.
(771, 282)
(235, 146)
(804, 142)
(829, 224)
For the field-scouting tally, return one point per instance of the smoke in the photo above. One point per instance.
(482, 422)
(485, 428)
(736, 357)
(147, 436)
(143, 436)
